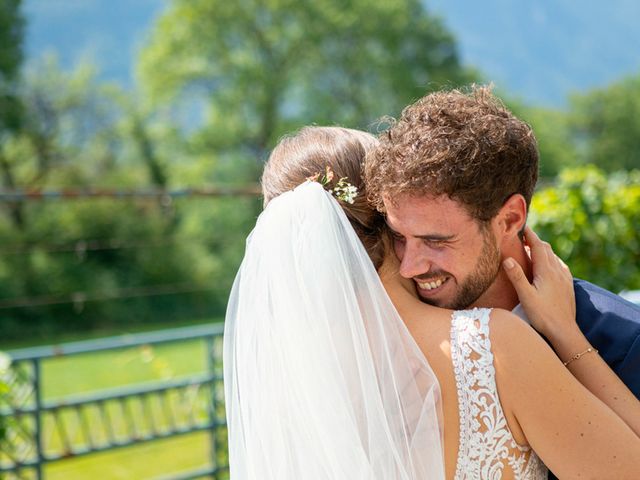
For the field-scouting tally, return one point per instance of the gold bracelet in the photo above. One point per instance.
(578, 355)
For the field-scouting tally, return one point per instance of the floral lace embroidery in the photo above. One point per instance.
(486, 446)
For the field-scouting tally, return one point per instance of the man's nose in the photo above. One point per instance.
(413, 262)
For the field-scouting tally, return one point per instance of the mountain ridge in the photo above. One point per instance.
(540, 52)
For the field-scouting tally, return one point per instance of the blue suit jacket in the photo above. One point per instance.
(612, 325)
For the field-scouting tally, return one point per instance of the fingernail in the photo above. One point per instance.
(508, 263)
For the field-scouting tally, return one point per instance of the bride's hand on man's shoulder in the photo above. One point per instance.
(549, 300)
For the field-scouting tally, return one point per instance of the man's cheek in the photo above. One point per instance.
(398, 247)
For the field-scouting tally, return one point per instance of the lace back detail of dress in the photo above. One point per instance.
(487, 449)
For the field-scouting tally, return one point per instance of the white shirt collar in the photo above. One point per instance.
(519, 311)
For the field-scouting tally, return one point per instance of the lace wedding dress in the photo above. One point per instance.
(487, 449)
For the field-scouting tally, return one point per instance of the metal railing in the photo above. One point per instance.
(42, 431)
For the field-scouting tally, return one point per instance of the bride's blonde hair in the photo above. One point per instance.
(309, 152)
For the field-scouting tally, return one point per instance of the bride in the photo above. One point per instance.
(335, 370)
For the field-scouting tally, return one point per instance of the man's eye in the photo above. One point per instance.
(397, 238)
(435, 243)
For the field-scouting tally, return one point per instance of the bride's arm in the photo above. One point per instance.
(575, 434)
(550, 305)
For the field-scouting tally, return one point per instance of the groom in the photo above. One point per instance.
(455, 169)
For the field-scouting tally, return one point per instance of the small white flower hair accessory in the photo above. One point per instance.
(343, 190)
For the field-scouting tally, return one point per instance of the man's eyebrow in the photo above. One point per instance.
(434, 237)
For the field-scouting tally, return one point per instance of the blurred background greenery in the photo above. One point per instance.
(217, 83)
(167, 94)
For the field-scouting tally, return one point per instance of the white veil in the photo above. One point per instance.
(322, 378)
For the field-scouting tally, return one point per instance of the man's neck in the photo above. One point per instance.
(501, 293)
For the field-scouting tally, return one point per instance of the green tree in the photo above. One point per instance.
(11, 56)
(591, 220)
(606, 125)
(264, 68)
(78, 132)
(552, 131)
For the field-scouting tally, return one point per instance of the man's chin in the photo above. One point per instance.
(458, 302)
(434, 296)
(434, 302)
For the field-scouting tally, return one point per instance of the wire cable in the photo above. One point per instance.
(23, 195)
(79, 298)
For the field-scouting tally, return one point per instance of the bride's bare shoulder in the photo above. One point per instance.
(516, 346)
(510, 334)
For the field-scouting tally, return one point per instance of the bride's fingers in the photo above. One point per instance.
(539, 249)
(518, 279)
(543, 258)
(565, 268)
(564, 265)
(544, 250)
(552, 257)
(559, 261)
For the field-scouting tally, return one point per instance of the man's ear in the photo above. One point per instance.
(512, 217)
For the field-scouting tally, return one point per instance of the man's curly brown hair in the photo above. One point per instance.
(465, 145)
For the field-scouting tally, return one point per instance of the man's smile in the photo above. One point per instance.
(432, 284)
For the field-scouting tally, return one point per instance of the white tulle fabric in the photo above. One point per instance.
(487, 449)
(322, 379)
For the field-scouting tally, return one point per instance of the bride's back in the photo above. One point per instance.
(469, 402)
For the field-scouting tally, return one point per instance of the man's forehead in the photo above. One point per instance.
(421, 202)
(424, 212)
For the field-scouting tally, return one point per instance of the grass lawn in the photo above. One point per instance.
(149, 460)
(103, 332)
(85, 373)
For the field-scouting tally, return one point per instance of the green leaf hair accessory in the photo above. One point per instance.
(343, 190)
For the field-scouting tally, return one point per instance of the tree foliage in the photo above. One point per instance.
(78, 132)
(551, 128)
(591, 220)
(606, 125)
(265, 68)
(600, 127)
(11, 56)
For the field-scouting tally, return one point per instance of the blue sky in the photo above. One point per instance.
(107, 32)
(541, 50)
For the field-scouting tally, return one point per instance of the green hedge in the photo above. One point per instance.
(592, 221)
(199, 244)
